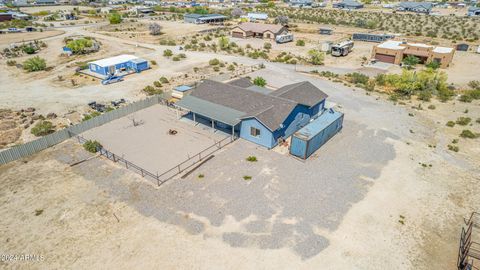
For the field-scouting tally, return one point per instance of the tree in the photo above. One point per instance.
(410, 61)
(34, 64)
(155, 29)
(79, 46)
(114, 18)
(283, 20)
(259, 81)
(316, 57)
(237, 12)
(167, 53)
(223, 43)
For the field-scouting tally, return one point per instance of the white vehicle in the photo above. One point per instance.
(284, 38)
(342, 48)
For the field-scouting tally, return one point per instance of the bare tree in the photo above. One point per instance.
(283, 20)
(155, 29)
(237, 12)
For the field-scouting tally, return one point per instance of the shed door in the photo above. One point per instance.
(385, 58)
(237, 34)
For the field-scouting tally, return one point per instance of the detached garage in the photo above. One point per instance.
(385, 58)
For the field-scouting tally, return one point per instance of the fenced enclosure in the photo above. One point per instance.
(169, 174)
(23, 150)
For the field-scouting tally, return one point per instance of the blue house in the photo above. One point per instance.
(118, 64)
(262, 117)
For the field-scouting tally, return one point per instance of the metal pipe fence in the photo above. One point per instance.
(169, 174)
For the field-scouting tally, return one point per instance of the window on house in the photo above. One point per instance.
(254, 131)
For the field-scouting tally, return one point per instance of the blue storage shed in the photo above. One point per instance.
(311, 137)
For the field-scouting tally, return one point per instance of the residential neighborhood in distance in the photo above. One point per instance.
(249, 134)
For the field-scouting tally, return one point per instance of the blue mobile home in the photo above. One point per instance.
(121, 63)
(264, 118)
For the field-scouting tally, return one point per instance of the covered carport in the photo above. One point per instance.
(204, 112)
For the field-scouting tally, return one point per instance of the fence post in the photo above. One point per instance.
(178, 168)
(141, 170)
(126, 164)
(114, 159)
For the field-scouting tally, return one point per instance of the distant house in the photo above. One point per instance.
(118, 64)
(301, 3)
(473, 11)
(418, 7)
(257, 16)
(6, 16)
(204, 18)
(45, 2)
(372, 37)
(348, 4)
(259, 116)
(20, 3)
(393, 51)
(258, 30)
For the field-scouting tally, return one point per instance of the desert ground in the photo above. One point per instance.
(384, 193)
(362, 196)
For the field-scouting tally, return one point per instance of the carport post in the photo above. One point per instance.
(233, 131)
(213, 126)
(193, 118)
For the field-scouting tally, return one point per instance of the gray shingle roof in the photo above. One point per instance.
(415, 5)
(253, 104)
(303, 93)
(260, 27)
(241, 82)
(241, 103)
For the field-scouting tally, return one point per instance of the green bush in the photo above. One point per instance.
(450, 124)
(167, 53)
(164, 80)
(259, 81)
(214, 62)
(157, 84)
(92, 146)
(176, 58)
(90, 116)
(468, 134)
(114, 18)
(267, 45)
(300, 42)
(357, 78)
(11, 63)
(463, 121)
(252, 158)
(43, 128)
(453, 148)
(247, 177)
(34, 64)
(316, 57)
(28, 49)
(80, 45)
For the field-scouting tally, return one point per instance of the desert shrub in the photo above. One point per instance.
(410, 61)
(433, 65)
(28, 49)
(155, 29)
(463, 121)
(182, 55)
(90, 116)
(167, 53)
(453, 148)
(164, 80)
(176, 58)
(153, 62)
(247, 177)
(468, 134)
(431, 107)
(150, 90)
(267, 45)
(80, 45)
(450, 124)
(34, 64)
(157, 84)
(42, 128)
(259, 81)
(11, 63)
(316, 57)
(300, 42)
(357, 78)
(252, 158)
(231, 67)
(465, 98)
(214, 62)
(115, 18)
(92, 146)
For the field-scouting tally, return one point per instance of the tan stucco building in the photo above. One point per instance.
(258, 30)
(393, 51)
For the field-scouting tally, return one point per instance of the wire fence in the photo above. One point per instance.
(169, 174)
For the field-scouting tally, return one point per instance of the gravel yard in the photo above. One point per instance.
(149, 145)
